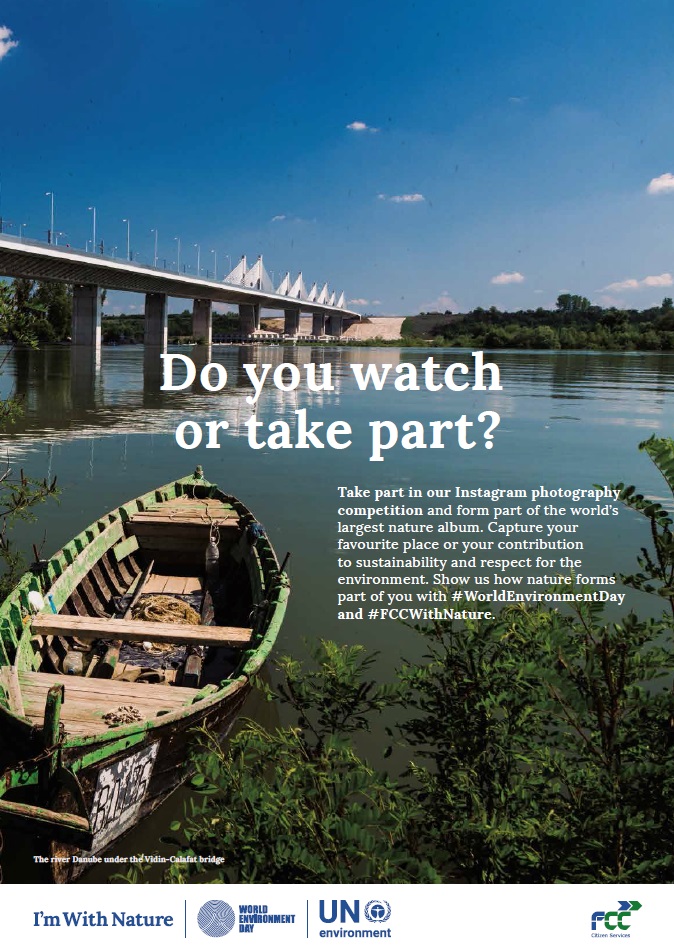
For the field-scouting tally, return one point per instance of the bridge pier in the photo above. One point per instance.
(202, 320)
(291, 325)
(156, 321)
(335, 325)
(249, 316)
(318, 325)
(86, 327)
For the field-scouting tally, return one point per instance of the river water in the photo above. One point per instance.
(567, 419)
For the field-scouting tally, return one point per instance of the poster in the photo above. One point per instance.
(407, 162)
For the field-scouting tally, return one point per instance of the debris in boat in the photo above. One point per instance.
(124, 714)
(165, 608)
(36, 602)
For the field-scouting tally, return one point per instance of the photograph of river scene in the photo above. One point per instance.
(107, 431)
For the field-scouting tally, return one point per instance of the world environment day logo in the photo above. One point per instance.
(216, 918)
(616, 918)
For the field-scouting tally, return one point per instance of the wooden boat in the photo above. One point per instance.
(90, 741)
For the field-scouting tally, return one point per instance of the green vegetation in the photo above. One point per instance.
(539, 746)
(302, 806)
(126, 329)
(23, 318)
(575, 324)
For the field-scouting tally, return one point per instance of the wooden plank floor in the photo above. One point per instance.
(88, 699)
(172, 585)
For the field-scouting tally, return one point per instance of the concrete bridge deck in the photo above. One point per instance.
(88, 273)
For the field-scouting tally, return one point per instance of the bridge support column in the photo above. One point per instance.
(202, 320)
(291, 325)
(156, 321)
(249, 316)
(86, 330)
(318, 325)
(334, 325)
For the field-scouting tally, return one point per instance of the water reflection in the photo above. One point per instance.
(69, 392)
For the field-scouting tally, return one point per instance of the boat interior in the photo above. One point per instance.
(155, 622)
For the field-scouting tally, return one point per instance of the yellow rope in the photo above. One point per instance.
(165, 608)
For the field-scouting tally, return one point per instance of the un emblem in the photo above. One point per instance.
(216, 918)
(377, 910)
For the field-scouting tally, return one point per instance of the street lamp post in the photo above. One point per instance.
(92, 209)
(21, 227)
(178, 240)
(127, 221)
(215, 264)
(229, 262)
(155, 245)
(50, 235)
(198, 247)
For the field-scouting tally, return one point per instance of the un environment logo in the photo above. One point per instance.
(216, 918)
(377, 910)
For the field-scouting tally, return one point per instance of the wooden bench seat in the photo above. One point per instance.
(87, 700)
(181, 519)
(129, 629)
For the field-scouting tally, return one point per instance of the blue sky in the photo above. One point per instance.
(417, 155)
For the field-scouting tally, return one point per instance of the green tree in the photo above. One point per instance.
(21, 322)
(657, 564)
(545, 756)
(571, 303)
(56, 298)
(299, 804)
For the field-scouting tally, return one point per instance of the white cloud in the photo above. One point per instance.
(375, 302)
(517, 99)
(358, 126)
(358, 301)
(661, 185)
(6, 41)
(630, 284)
(293, 220)
(402, 199)
(507, 277)
(444, 302)
(664, 280)
(658, 280)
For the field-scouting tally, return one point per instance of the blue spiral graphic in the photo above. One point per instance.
(216, 918)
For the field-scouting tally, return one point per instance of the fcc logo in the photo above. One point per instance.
(216, 918)
(617, 918)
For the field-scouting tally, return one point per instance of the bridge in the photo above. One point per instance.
(247, 286)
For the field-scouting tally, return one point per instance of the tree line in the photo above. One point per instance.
(574, 324)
